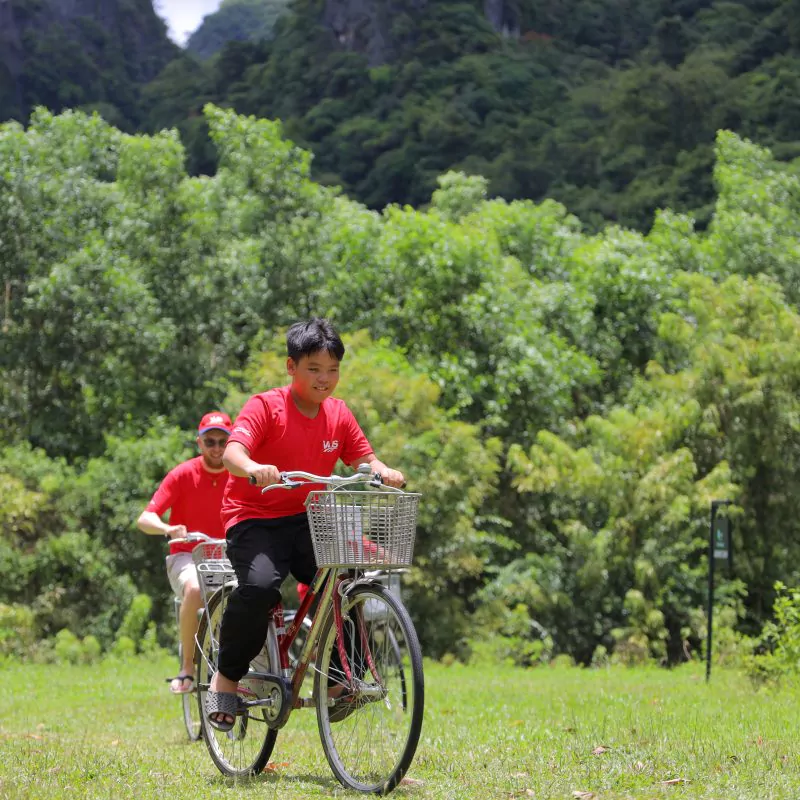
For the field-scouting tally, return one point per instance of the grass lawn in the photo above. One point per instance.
(114, 731)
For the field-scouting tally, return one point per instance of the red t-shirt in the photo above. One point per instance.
(275, 432)
(194, 497)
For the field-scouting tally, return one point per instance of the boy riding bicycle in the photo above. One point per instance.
(295, 427)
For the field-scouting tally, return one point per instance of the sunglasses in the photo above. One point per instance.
(209, 442)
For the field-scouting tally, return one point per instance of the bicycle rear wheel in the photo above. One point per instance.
(246, 748)
(370, 726)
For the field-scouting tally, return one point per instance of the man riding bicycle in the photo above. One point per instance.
(192, 492)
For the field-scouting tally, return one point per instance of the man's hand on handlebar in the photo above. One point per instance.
(175, 532)
(263, 475)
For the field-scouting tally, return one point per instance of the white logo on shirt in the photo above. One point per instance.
(330, 447)
(240, 429)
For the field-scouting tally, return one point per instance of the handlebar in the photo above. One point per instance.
(194, 537)
(289, 480)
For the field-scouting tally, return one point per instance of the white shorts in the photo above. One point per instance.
(180, 571)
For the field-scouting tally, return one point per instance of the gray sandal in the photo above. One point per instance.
(222, 703)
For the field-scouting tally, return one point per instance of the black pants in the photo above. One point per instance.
(262, 552)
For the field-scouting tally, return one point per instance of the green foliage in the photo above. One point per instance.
(135, 624)
(612, 113)
(124, 648)
(18, 631)
(644, 637)
(67, 647)
(508, 636)
(730, 647)
(568, 404)
(779, 643)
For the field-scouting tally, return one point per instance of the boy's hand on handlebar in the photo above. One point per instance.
(264, 475)
(391, 477)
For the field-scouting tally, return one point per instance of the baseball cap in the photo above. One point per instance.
(215, 420)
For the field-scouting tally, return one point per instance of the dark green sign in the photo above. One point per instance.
(719, 549)
(722, 537)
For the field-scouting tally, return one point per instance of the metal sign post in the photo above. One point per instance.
(720, 546)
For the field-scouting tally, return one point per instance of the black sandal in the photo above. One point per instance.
(221, 704)
(181, 677)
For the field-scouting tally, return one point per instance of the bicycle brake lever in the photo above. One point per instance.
(287, 484)
(377, 481)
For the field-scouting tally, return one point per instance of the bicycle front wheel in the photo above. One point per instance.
(246, 748)
(191, 707)
(370, 723)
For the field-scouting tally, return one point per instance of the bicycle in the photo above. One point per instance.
(190, 707)
(361, 646)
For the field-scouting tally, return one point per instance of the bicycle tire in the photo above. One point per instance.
(396, 653)
(190, 706)
(246, 748)
(371, 745)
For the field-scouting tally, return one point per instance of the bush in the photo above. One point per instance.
(18, 631)
(644, 638)
(509, 636)
(730, 648)
(91, 649)
(149, 645)
(124, 648)
(68, 648)
(134, 625)
(779, 642)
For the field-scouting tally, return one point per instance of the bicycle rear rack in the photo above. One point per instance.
(215, 573)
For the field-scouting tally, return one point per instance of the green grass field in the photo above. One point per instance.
(114, 731)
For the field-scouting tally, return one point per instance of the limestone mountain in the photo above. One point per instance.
(235, 21)
(79, 53)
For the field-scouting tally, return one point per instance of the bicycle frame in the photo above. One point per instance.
(330, 581)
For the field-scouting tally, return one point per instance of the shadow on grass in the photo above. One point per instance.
(277, 777)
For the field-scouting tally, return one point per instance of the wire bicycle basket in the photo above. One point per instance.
(363, 529)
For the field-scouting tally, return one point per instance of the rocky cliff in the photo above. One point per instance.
(377, 28)
(503, 16)
(11, 57)
(78, 52)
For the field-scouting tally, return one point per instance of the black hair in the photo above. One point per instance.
(305, 338)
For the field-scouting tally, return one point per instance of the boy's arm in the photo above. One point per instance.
(390, 476)
(238, 462)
